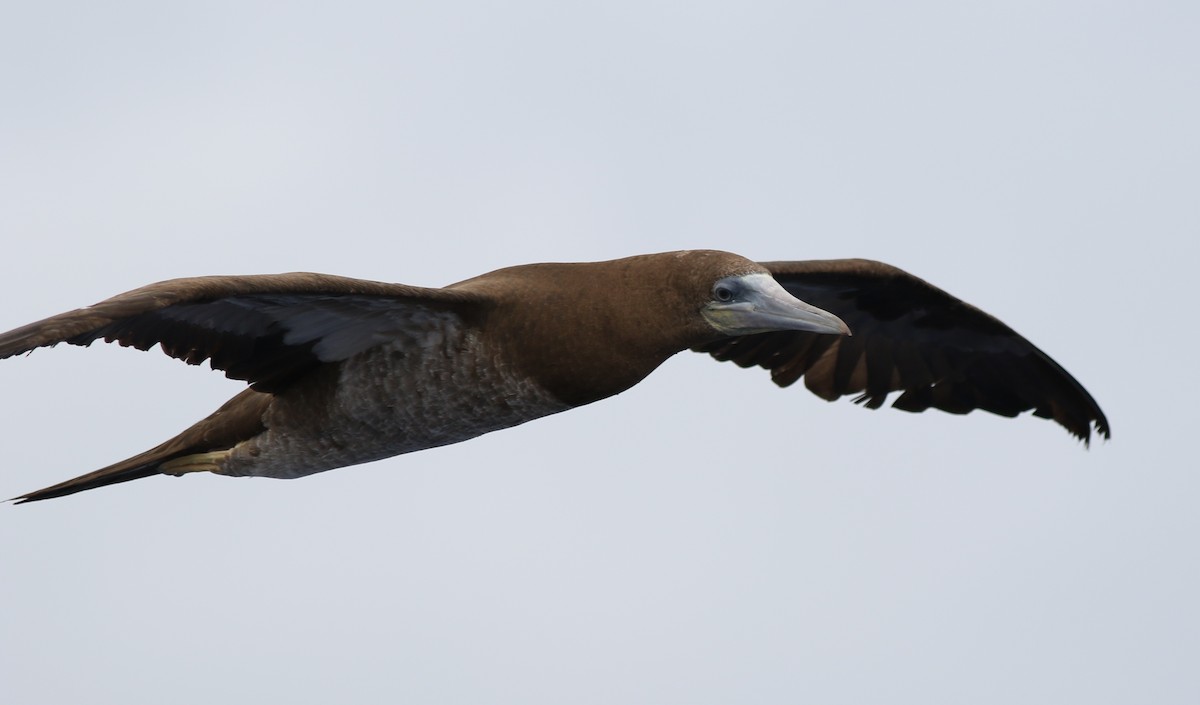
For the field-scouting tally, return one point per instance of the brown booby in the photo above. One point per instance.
(345, 371)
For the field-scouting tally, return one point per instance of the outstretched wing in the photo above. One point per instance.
(911, 337)
(266, 329)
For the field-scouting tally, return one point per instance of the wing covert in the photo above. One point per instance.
(265, 329)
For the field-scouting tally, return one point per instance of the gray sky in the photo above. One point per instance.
(705, 537)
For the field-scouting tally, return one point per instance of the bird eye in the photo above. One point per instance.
(723, 293)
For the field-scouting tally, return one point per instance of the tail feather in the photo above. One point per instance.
(135, 468)
(239, 419)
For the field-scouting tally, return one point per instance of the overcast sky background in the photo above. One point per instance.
(705, 537)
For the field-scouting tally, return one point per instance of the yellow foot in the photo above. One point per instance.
(199, 462)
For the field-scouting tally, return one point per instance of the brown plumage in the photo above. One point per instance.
(344, 371)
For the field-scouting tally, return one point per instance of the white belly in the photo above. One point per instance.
(392, 399)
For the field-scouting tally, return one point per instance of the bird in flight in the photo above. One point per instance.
(345, 371)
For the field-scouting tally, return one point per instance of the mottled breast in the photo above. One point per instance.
(414, 392)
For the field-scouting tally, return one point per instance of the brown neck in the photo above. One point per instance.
(584, 332)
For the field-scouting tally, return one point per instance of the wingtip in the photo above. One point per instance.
(1095, 429)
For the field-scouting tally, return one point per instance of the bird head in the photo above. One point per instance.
(740, 297)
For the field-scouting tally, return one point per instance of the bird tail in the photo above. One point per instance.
(135, 468)
(239, 419)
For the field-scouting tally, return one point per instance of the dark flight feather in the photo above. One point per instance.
(911, 337)
(266, 329)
